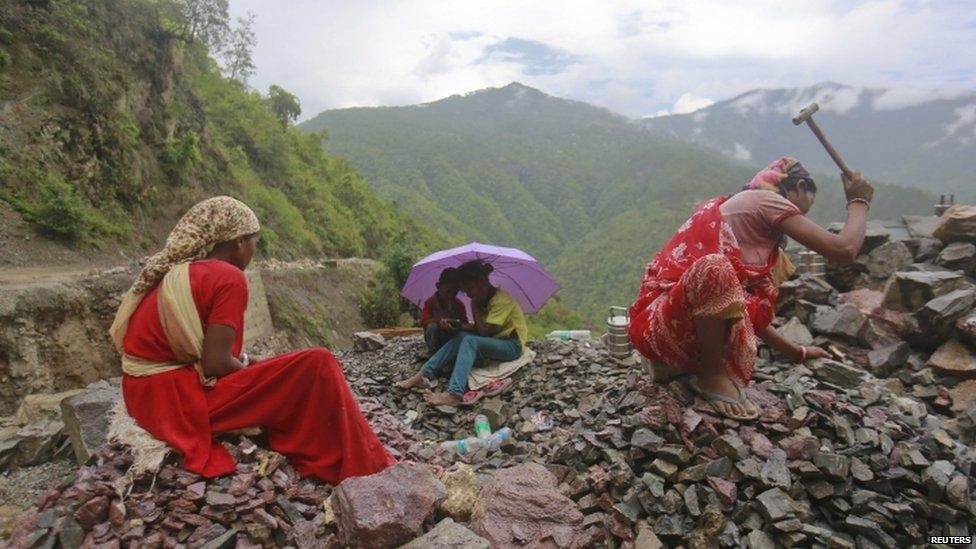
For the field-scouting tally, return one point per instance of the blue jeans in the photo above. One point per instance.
(464, 349)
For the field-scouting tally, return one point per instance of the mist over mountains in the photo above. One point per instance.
(912, 137)
(589, 192)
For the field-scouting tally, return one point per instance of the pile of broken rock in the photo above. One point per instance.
(874, 448)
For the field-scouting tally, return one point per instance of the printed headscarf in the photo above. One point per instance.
(772, 176)
(206, 224)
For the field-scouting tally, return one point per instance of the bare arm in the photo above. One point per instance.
(842, 247)
(794, 351)
(217, 359)
(481, 327)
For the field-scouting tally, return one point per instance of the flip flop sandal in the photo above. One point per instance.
(715, 397)
(497, 387)
(471, 397)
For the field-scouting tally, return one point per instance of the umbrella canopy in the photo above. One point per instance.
(515, 271)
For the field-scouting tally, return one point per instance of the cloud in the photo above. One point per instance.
(690, 103)
(632, 56)
(536, 58)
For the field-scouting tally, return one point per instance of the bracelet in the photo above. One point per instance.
(861, 200)
(803, 354)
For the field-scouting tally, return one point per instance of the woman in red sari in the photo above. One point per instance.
(711, 290)
(180, 330)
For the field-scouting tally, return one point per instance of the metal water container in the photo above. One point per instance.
(618, 342)
(812, 263)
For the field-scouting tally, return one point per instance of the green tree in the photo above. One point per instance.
(238, 55)
(285, 105)
(207, 21)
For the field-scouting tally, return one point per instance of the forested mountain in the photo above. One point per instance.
(115, 116)
(589, 192)
(916, 138)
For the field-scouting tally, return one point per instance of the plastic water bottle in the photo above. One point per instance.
(566, 335)
(499, 437)
(465, 446)
(482, 429)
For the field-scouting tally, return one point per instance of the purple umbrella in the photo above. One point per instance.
(517, 272)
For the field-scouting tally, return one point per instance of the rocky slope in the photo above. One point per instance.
(872, 449)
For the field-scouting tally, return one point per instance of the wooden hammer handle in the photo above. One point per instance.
(830, 148)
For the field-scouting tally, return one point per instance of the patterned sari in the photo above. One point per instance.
(700, 272)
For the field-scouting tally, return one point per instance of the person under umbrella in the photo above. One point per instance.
(443, 313)
(498, 333)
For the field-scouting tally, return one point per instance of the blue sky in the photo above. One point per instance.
(637, 58)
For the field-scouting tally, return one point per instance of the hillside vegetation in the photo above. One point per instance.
(590, 193)
(114, 115)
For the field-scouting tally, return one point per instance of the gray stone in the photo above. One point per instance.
(844, 321)
(938, 316)
(41, 406)
(935, 478)
(887, 259)
(870, 529)
(886, 360)
(774, 471)
(966, 327)
(646, 440)
(838, 373)
(910, 290)
(497, 411)
(448, 535)
(835, 466)
(797, 332)
(928, 249)
(731, 447)
(86, 417)
(957, 224)
(368, 341)
(959, 256)
(646, 538)
(758, 539)
(776, 505)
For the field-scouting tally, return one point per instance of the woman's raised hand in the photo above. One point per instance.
(857, 188)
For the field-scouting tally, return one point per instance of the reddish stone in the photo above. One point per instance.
(116, 512)
(92, 512)
(388, 508)
(726, 490)
(524, 499)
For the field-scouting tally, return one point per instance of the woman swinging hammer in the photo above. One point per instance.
(180, 330)
(711, 290)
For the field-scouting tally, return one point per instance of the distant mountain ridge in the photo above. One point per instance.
(916, 138)
(589, 192)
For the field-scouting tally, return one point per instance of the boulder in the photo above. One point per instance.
(887, 259)
(866, 300)
(959, 256)
(86, 417)
(910, 290)
(521, 505)
(957, 224)
(844, 321)
(845, 276)
(937, 318)
(388, 508)
(29, 444)
(367, 341)
(41, 406)
(807, 287)
(448, 535)
(955, 359)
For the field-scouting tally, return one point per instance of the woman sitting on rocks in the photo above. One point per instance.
(497, 333)
(712, 289)
(180, 330)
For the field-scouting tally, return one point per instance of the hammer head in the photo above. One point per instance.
(806, 113)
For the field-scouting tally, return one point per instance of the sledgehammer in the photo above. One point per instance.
(806, 115)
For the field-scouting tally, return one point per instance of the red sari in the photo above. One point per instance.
(301, 398)
(700, 272)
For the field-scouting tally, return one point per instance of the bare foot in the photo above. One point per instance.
(438, 399)
(411, 381)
